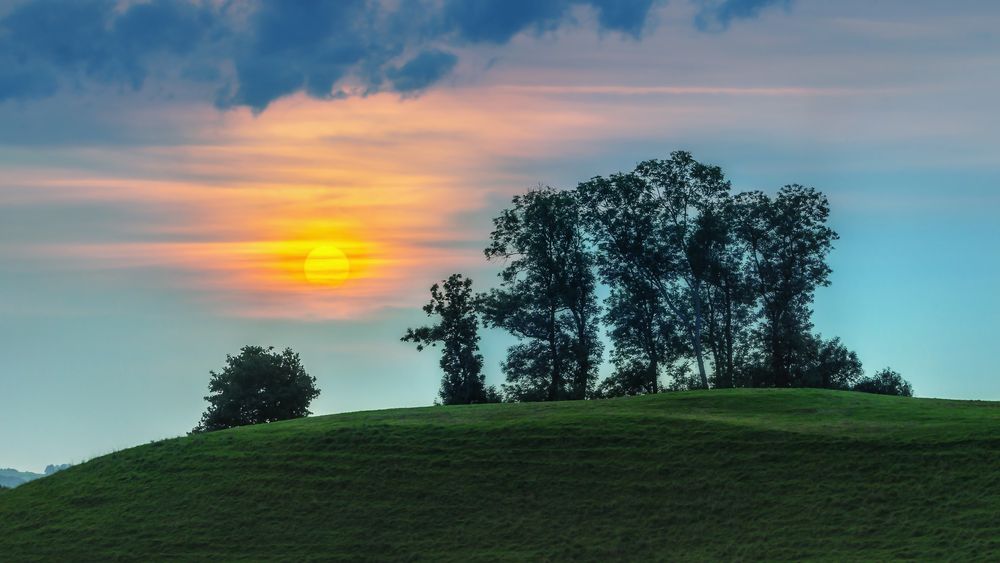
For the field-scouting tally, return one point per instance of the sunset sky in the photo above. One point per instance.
(167, 167)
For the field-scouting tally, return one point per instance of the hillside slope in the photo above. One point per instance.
(700, 475)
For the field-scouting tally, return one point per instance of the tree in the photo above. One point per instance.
(787, 241)
(828, 364)
(885, 382)
(646, 225)
(258, 385)
(547, 297)
(458, 331)
(646, 342)
(720, 263)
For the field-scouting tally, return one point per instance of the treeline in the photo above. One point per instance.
(705, 288)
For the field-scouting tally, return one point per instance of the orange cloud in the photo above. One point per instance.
(234, 216)
(230, 217)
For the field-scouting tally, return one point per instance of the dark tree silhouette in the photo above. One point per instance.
(646, 342)
(885, 382)
(647, 225)
(454, 303)
(721, 264)
(828, 364)
(258, 385)
(787, 241)
(546, 297)
(695, 275)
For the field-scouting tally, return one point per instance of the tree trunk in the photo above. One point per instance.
(729, 337)
(696, 337)
(556, 382)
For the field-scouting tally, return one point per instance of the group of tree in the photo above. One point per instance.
(704, 288)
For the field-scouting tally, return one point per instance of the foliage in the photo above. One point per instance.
(787, 241)
(696, 277)
(646, 225)
(885, 382)
(258, 385)
(646, 343)
(720, 475)
(830, 365)
(546, 297)
(454, 303)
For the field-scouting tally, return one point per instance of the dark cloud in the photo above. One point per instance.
(717, 15)
(91, 39)
(626, 16)
(497, 21)
(421, 71)
(257, 52)
(20, 83)
(303, 45)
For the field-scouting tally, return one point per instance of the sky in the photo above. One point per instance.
(167, 167)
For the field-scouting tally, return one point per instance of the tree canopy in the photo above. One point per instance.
(258, 385)
(547, 297)
(703, 287)
(885, 382)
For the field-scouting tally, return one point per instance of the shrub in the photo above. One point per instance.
(885, 382)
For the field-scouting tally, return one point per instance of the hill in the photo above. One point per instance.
(11, 478)
(740, 474)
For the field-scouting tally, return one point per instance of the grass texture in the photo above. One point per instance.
(704, 475)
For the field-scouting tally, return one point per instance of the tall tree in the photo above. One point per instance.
(721, 266)
(546, 297)
(646, 223)
(454, 303)
(787, 241)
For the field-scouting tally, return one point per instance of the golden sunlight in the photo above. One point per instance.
(326, 265)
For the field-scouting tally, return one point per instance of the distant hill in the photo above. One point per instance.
(708, 475)
(11, 478)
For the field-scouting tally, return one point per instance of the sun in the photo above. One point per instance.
(326, 265)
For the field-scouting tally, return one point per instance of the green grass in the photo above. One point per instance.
(745, 474)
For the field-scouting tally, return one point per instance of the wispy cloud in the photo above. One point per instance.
(613, 90)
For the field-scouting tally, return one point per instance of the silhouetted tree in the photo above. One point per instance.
(546, 297)
(646, 225)
(885, 382)
(646, 342)
(828, 364)
(258, 385)
(721, 264)
(454, 303)
(787, 241)
(696, 275)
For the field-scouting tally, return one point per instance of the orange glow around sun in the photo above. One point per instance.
(311, 210)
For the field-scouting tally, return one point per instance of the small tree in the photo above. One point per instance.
(885, 382)
(258, 385)
(828, 364)
(458, 331)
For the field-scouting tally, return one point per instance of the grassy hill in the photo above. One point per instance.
(740, 474)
